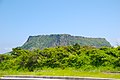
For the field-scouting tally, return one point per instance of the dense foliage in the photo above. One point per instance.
(85, 58)
(46, 41)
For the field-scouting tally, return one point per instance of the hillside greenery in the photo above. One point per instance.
(85, 58)
(46, 41)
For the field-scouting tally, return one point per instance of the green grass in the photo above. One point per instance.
(60, 72)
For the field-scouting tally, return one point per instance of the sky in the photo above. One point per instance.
(20, 19)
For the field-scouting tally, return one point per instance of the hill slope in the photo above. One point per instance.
(44, 41)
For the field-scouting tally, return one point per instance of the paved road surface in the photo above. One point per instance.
(50, 78)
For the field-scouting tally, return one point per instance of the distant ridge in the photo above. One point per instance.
(45, 41)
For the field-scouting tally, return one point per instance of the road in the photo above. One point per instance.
(50, 78)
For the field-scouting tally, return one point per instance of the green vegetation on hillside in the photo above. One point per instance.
(84, 58)
(46, 41)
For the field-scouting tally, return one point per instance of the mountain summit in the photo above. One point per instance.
(45, 41)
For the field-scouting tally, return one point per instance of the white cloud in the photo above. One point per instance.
(114, 41)
(8, 49)
(4, 50)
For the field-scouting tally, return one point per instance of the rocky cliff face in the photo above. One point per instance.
(45, 41)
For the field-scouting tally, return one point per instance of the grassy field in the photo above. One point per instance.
(60, 72)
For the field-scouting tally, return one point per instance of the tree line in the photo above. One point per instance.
(76, 56)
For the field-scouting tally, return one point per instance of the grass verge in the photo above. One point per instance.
(60, 72)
